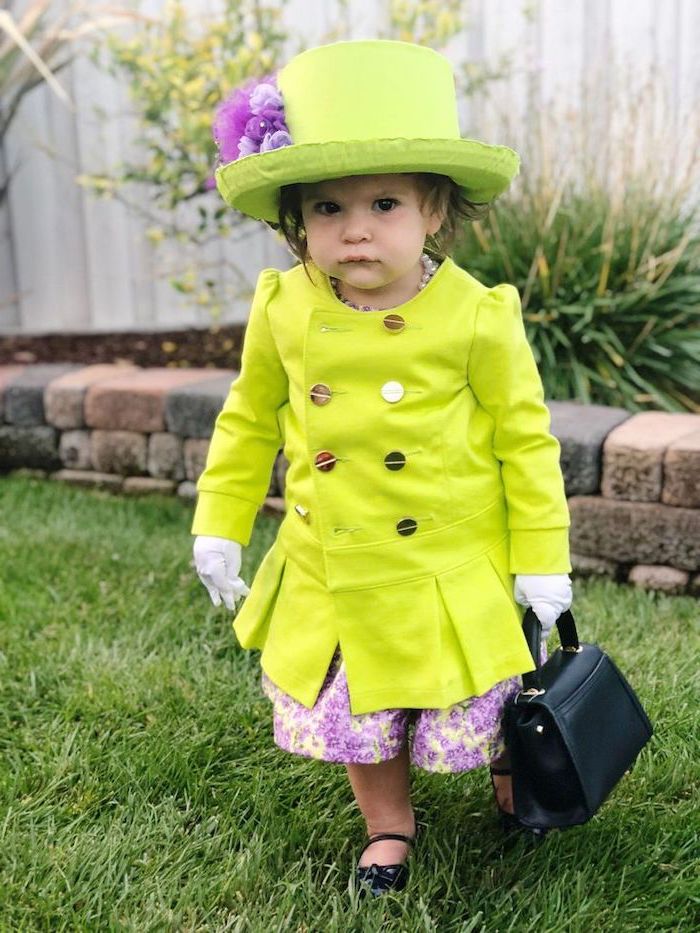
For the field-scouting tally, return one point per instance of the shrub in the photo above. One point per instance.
(600, 235)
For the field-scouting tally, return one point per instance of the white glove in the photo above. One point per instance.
(218, 562)
(548, 594)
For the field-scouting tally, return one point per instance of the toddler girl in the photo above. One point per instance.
(422, 475)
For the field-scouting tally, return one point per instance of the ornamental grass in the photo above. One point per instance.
(600, 233)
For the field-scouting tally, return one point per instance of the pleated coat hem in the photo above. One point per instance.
(446, 645)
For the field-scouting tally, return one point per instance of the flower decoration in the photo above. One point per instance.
(251, 120)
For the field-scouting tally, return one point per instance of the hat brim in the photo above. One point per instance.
(251, 184)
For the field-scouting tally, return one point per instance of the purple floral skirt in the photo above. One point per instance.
(458, 738)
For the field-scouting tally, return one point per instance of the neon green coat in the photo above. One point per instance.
(422, 476)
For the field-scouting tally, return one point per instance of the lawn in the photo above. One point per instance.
(141, 789)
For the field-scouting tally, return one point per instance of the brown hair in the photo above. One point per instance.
(439, 193)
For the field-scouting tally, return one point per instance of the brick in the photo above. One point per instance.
(165, 458)
(682, 472)
(585, 566)
(122, 452)
(195, 453)
(7, 375)
(633, 454)
(24, 395)
(581, 431)
(89, 478)
(147, 486)
(74, 448)
(35, 447)
(191, 410)
(635, 532)
(136, 401)
(657, 577)
(64, 397)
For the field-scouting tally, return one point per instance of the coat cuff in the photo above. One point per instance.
(543, 550)
(224, 517)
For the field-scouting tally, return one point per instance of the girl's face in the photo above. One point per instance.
(368, 231)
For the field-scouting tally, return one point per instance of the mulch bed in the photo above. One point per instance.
(218, 348)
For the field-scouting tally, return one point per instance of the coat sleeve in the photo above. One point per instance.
(247, 434)
(504, 378)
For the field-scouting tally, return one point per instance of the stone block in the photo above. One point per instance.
(89, 478)
(187, 490)
(581, 431)
(147, 486)
(585, 566)
(633, 454)
(24, 395)
(681, 484)
(123, 452)
(64, 397)
(273, 505)
(657, 577)
(7, 375)
(136, 401)
(75, 450)
(165, 459)
(635, 532)
(35, 447)
(191, 410)
(195, 453)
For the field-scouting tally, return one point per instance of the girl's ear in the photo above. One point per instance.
(435, 221)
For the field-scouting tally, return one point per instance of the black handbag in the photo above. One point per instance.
(572, 731)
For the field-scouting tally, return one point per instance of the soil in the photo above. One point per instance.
(218, 348)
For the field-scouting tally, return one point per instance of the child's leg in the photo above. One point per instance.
(503, 783)
(383, 795)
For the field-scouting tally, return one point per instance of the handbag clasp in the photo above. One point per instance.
(531, 692)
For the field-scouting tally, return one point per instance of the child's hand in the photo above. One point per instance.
(218, 562)
(548, 594)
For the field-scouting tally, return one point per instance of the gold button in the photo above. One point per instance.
(320, 394)
(394, 323)
(302, 513)
(325, 461)
(406, 526)
(395, 460)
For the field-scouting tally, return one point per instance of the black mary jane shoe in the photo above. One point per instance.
(509, 821)
(377, 879)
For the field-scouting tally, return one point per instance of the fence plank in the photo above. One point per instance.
(71, 262)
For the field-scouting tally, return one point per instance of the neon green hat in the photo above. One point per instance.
(350, 108)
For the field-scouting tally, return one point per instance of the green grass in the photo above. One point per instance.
(141, 789)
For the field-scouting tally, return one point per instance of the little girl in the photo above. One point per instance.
(425, 501)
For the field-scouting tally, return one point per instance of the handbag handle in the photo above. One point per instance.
(532, 630)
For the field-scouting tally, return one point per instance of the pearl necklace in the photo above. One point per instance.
(430, 267)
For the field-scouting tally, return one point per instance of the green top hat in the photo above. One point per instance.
(354, 108)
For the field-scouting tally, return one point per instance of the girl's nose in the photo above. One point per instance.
(355, 230)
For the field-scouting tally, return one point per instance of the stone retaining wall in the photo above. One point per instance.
(633, 481)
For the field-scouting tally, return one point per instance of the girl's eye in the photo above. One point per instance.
(326, 207)
(386, 204)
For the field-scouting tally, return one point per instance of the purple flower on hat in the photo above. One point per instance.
(276, 140)
(251, 120)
